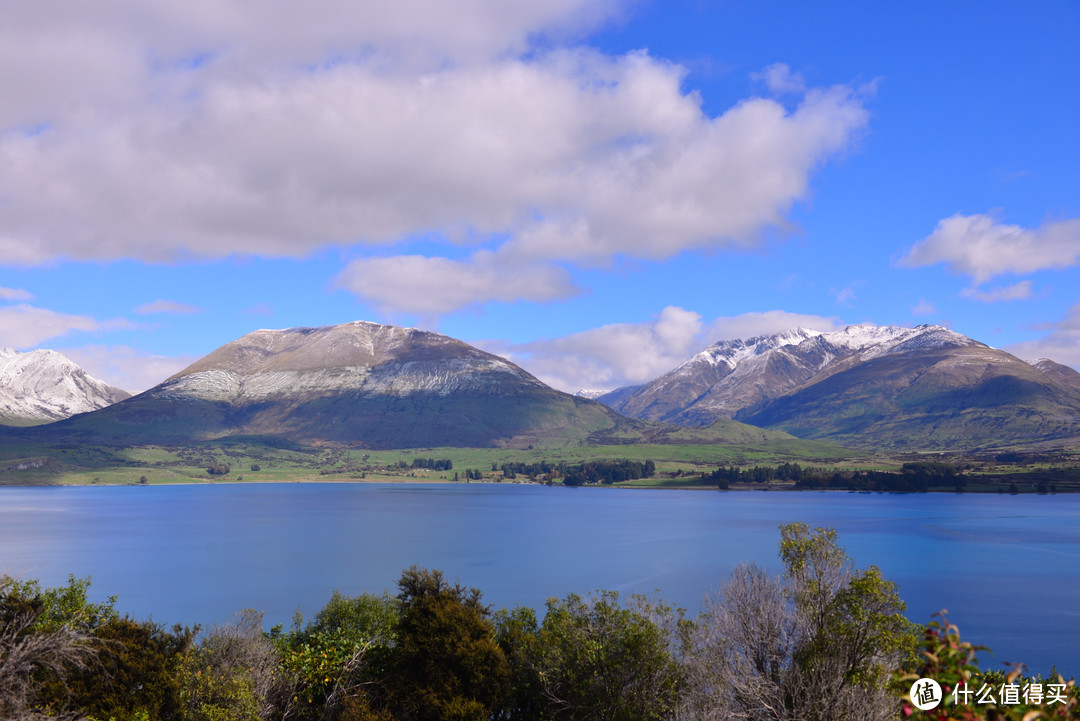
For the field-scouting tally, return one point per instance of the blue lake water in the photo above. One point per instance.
(1006, 567)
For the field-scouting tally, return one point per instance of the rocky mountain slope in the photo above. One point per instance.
(43, 386)
(360, 383)
(869, 386)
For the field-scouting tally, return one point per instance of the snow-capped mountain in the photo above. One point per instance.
(44, 386)
(866, 385)
(363, 383)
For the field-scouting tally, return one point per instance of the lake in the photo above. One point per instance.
(1006, 567)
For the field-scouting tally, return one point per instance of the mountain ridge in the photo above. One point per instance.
(368, 385)
(870, 386)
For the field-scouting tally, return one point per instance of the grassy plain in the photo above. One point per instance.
(276, 461)
(678, 465)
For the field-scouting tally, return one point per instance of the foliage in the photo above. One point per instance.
(517, 633)
(912, 477)
(63, 606)
(598, 659)
(338, 661)
(44, 638)
(606, 472)
(232, 674)
(817, 644)
(971, 695)
(434, 464)
(136, 672)
(446, 662)
(577, 474)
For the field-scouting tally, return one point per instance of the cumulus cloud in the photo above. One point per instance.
(780, 80)
(166, 306)
(982, 247)
(433, 286)
(66, 54)
(126, 367)
(1061, 343)
(14, 294)
(611, 355)
(1017, 291)
(623, 354)
(751, 325)
(572, 155)
(682, 180)
(203, 129)
(25, 326)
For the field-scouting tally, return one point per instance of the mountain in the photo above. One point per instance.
(881, 387)
(1063, 374)
(43, 386)
(359, 383)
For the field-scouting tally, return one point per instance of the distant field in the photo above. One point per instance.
(286, 462)
(678, 465)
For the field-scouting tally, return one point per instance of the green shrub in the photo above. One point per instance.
(598, 659)
(446, 663)
(336, 663)
(232, 674)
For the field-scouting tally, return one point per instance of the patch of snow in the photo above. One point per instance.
(360, 357)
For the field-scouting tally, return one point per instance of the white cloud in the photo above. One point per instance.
(210, 128)
(433, 286)
(125, 367)
(631, 353)
(612, 355)
(751, 325)
(688, 181)
(1061, 344)
(982, 247)
(573, 155)
(167, 306)
(14, 294)
(924, 307)
(66, 55)
(25, 326)
(780, 80)
(1017, 291)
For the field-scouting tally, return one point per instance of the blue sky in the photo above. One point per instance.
(596, 189)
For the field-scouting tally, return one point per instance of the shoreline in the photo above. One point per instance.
(784, 487)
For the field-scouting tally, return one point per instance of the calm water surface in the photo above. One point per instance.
(1006, 567)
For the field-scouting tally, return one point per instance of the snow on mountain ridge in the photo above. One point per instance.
(869, 340)
(592, 393)
(360, 357)
(735, 351)
(44, 385)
